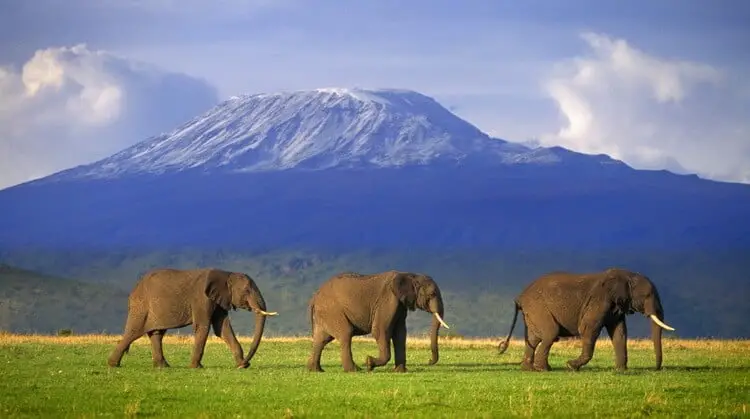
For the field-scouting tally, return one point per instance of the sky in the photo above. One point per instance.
(659, 84)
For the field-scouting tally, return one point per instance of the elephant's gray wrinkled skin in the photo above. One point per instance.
(563, 304)
(352, 304)
(170, 298)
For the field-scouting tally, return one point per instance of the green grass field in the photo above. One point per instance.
(68, 377)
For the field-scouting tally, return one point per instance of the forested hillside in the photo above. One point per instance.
(35, 303)
(478, 288)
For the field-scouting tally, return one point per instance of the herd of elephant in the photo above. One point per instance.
(558, 304)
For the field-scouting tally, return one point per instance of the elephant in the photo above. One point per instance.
(172, 298)
(564, 304)
(353, 304)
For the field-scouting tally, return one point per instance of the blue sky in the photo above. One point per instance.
(658, 84)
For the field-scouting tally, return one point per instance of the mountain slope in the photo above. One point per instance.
(424, 207)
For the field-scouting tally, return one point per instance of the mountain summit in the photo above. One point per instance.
(316, 129)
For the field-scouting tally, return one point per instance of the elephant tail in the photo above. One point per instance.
(504, 345)
(310, 309)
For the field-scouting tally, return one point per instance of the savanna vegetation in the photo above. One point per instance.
(46, 376)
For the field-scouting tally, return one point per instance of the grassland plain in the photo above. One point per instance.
(46, 376)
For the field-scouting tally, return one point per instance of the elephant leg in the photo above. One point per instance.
(157, 352)
(618, 333)
(223, 329)
(321, 338)
(133, 330)
(399, 345)
(347, 360)
(383, 337)
(546, 330)
(541, 357)
(588, 342)
(532, 341)
(201, 335)
(116, 356)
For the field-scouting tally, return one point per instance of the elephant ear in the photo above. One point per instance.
(611, 292)
(217, 289)
(403, 287)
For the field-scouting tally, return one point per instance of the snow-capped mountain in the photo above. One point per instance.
(316, 129)
(250, 173)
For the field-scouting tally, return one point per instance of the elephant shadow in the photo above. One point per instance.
(688, 368)
(473, 367)
(470, 367)
(645, 369)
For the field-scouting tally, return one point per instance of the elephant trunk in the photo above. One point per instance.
(654, 311)
(657, 327)
(656, 331)
(436, 307)
(259, 307)
(260, 323)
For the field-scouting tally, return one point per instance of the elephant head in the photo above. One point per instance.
(238, 290)
(421, 291)
(635, 293)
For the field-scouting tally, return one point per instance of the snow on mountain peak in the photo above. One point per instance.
(380, 96)
(313, 129)
(360, 94)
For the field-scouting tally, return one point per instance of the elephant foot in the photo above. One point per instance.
(370, 362)
(313, 366)
(112, 363)
(352, 368)
(540, 368)
(527, 366)
(196, 365)
(432, 362)
(399, 368)
(243, 364)
(621, 368)
(573, 365)
(161, 364)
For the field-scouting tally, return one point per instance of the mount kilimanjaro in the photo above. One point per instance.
(353, 168)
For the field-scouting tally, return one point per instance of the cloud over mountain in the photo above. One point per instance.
(71, 105)
(652, 112)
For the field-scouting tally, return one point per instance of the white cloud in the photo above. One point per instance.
(652, 112)
(69, 106)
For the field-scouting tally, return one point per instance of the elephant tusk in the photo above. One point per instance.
(440, 319)
(266, 313)
(659, 322)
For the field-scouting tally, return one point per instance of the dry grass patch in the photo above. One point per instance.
(726, 345)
